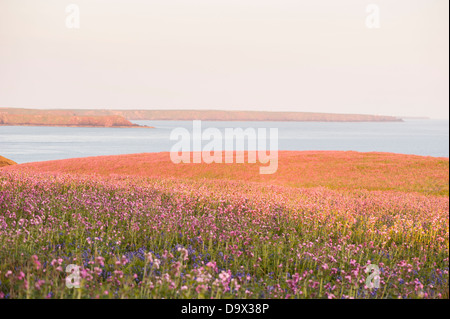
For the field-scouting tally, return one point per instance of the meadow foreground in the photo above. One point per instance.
(197, 231)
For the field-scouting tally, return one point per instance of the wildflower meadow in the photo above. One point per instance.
(137, 236)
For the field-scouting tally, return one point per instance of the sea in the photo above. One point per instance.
(425, 137)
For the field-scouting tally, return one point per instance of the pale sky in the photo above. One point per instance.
(274, 55)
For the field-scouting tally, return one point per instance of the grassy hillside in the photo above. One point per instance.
(6, 162)
(334, 170)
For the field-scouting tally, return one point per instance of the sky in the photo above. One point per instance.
(265, 55)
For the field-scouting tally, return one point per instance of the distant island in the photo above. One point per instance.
(121, 118)
(50, 118)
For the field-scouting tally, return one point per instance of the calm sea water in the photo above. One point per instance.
(32, 144)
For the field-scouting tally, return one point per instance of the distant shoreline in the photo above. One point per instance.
(81, 126)
(204, 115)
